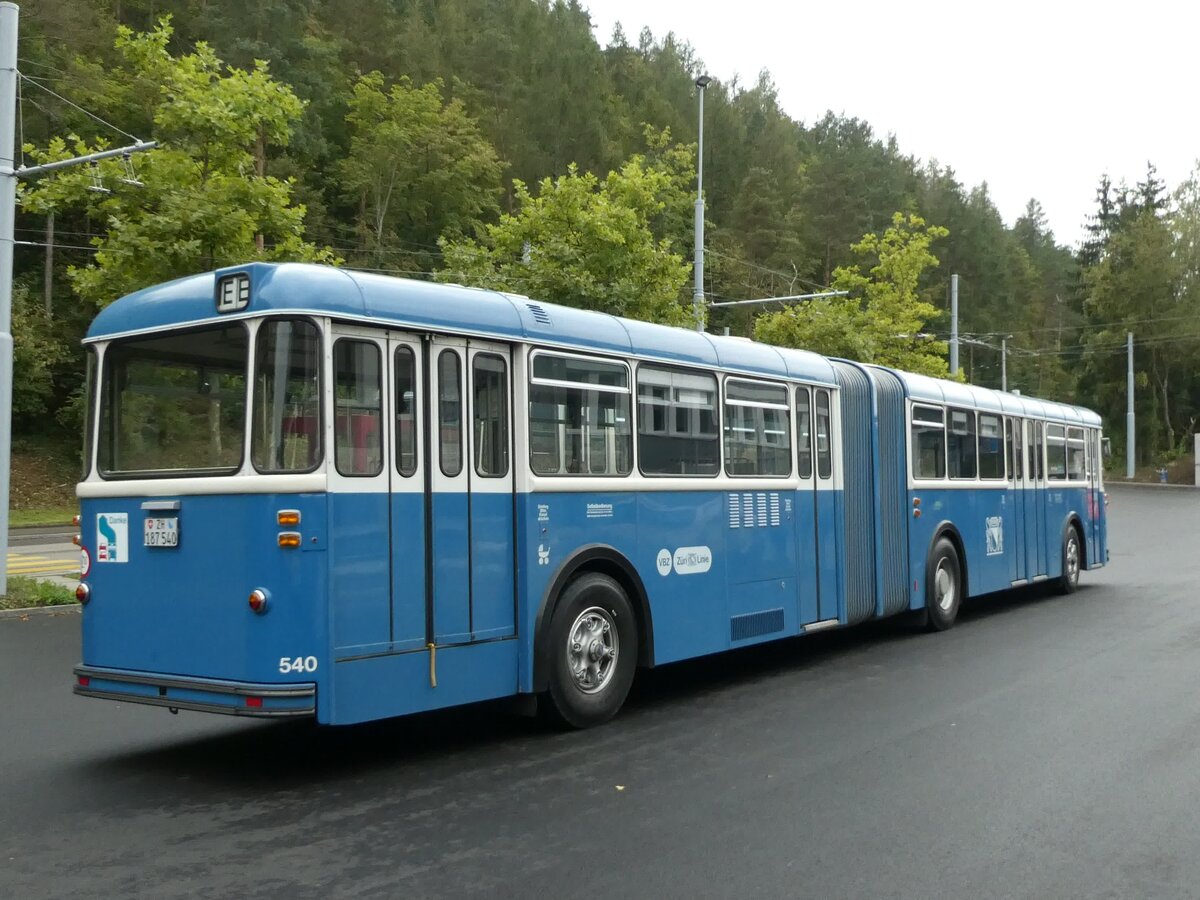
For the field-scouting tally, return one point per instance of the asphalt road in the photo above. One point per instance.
(1045, 747)
(43, 551)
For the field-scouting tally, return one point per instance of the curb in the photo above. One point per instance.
(1150, 485)
(66, 608)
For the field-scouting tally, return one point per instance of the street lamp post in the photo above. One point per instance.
(698, 295)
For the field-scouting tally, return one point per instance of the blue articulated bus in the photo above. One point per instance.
(316, 492)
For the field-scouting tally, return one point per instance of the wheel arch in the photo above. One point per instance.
(947, 529)
(606, 560)
(1074, 520)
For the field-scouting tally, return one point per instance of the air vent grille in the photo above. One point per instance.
(539, 314)
(751, 625)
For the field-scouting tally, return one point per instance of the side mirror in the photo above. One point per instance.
(1106, 447)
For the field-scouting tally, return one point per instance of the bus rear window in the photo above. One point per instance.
(287, 397)
(174, 404)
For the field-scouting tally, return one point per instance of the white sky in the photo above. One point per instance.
(1036, 99)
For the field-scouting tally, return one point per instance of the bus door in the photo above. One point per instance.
(1035, 498)
(1095, 492)
(826, 525)
(469, 482)
(806, 510)
(1016, 544)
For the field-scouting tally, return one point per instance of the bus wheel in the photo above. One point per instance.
(943, 586)
(1072, 557)
(593, 651)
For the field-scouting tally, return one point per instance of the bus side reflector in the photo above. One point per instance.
(259, 600)
(83, 593)
(76, 519)
(84, 681)
(289, 539)
(289, 518)
(76, 539)
(254, 702)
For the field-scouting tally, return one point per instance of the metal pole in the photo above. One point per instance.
(140, 146)
(1004, 364)
(953, 324)
(816, 296)
(1130, 433)
(8, 201)
(698, 294)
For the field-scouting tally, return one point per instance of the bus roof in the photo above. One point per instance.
(346, 294)
(937, 390)
(301, 288)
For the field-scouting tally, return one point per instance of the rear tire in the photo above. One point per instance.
(943, 586)
(592, 653)
(1072, 561)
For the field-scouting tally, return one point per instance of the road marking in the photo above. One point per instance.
(37, 564)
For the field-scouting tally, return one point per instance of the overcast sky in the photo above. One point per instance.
(1036, 98)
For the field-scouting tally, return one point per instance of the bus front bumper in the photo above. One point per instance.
(235, 698)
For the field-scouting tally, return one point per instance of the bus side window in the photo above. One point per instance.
(960, 443)
(1018, 470)
(928, 442)
(450, 413)
(824, 447)
(406, 411)
(1056, 453)
(991, 447)
(758, 428)
(804, 433)
(490, 379)
(677, 422)
(357, 436)
(1039, 455)
(1076, 455)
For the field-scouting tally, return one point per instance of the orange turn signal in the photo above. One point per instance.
(289, 518)
(75, 519)
(76, 539)
(289, 539)
(916, 501)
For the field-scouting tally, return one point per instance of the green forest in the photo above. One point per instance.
(502, 143)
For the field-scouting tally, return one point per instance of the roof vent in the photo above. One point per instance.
(540, 315)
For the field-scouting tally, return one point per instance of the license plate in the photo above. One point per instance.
(163, 532)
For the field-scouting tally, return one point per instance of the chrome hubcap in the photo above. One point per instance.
(592, 648)
(1073, 558)
(944, 589)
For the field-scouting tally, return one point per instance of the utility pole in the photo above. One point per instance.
(953, 325)
(1130, 435)
(8, 211)
(698, 294)
(48, 275)
(1004, 364)
(8, 202)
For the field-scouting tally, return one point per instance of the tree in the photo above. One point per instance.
(882, 318)
(590, 242)
(202, 202)
(1136, 287)
(37, 350)
(417, 168)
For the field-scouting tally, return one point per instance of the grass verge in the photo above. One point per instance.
(42, 515)
(24, 592)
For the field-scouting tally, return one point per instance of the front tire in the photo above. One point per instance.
(1072, 561)
(593, 651)
(943, 586)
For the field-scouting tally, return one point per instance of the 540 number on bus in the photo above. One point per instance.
(288, 664)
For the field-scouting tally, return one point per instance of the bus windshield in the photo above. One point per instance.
(175, 404)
